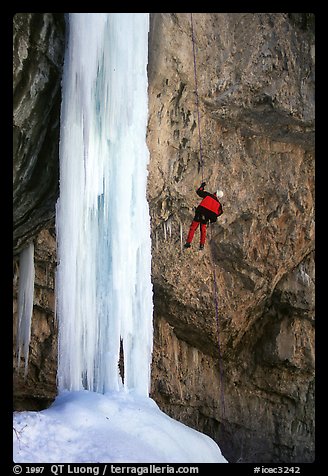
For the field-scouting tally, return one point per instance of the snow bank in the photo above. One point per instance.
(118, 427)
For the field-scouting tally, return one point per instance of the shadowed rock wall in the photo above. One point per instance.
(38, 48)
(38, 52)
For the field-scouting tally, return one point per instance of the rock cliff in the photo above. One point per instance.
(38, 48)
(255, 77)
(38, 52)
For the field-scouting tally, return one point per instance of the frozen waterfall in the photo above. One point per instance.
(103, 282)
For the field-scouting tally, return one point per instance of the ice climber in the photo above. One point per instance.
(207, 211)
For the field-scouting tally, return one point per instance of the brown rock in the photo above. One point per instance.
(255, 84)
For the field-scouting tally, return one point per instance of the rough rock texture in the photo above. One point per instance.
(38, 47)
(256, 94)
(256, 90)
(38, 51)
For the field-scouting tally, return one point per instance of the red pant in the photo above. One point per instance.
(193, 228)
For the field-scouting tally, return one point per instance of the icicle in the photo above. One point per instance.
(164, 228)
(25, 304)
(305, 278)
(169, 226)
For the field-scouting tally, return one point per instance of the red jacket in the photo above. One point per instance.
(210, 201)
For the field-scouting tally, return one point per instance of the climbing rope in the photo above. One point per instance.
(197, 98)
(215, 287)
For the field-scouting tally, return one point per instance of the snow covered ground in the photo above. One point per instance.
(118, 427)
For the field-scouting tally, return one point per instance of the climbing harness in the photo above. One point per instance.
(215, 287)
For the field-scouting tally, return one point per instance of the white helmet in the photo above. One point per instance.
(219, 193)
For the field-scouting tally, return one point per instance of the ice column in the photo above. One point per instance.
(103, 284)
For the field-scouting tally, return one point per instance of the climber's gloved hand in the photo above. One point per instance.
(203, 185)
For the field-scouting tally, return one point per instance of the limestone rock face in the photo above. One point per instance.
(246, 375)
(38, 48)
(38, 51)
(256, 101)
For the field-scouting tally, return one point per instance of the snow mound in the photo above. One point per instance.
(118, 427)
